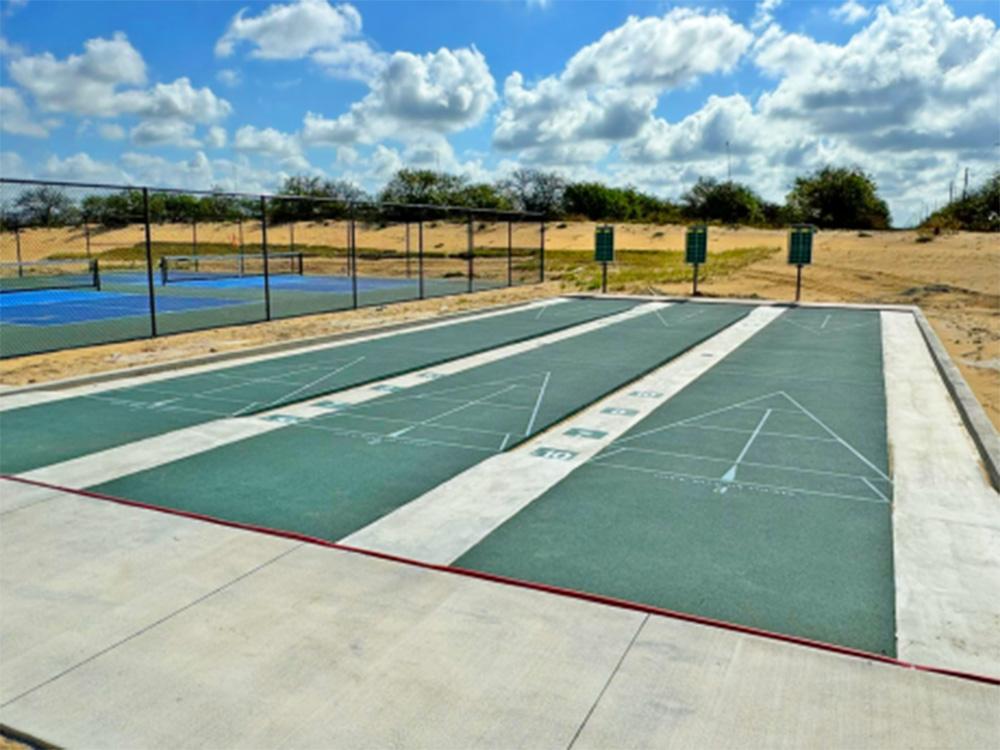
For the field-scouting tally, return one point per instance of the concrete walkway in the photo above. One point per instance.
(123, 627)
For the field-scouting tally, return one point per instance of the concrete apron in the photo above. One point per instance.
(205, 636)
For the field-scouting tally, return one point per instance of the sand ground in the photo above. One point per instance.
(955, 279)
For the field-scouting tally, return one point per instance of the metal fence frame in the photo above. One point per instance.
(412, 213)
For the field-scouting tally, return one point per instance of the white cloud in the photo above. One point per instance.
(609, 90)
(111, 132)
(284, 147)
(659, 53)
(443, 91)
(850, 12)
(9, 49)
(164, 133)
(92, 84)
(910, 98)
(229, 77)
(216, 137)
(315, 29)
(81, 167)
(17, 119)
(764, 13)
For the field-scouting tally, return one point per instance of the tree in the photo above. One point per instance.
(979, 211)
(424, 186)
(45, 206)
(533, 190)
(838, 197)
(727, 202)
(596, 201)
(332, 198)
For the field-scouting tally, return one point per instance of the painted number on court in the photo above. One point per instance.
(619, 411)
(646, 394)
(429, 375)
(583, 432)
(555, 454)
(283, 418)
(385, 388)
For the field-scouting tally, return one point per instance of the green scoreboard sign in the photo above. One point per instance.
(696, 245)
(800, 244)
(604, 244)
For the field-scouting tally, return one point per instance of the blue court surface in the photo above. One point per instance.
(55, 307)
(52, 307)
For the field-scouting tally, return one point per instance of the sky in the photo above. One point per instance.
(650, 94)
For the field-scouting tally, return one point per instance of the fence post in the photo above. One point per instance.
(263, 252)
(353, 234)
(510, 254)
(408, 272)
(149, 262)
(291, 235)
(194, 242)
(17, 245)
(86, 234)
(471, 243)
(420, 253)
(541, 270)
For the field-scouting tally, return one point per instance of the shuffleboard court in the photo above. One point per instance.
(760, 495)
(45, 434)
(333, 474)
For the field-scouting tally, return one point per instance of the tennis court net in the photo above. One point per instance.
(29, 276)
(178, 268)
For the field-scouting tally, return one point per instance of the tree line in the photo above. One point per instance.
(831, 197)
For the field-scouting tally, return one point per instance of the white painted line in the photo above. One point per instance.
(730, 475)
(104, 466)
(313, 383)
(946, 517)
(825, 321)
(442, 524)
(538, 402)
(839, 439)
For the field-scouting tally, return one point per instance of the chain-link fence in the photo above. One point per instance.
(88, 264)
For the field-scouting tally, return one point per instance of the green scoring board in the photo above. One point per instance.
(800, 244)
(604, 244)
(696, 245)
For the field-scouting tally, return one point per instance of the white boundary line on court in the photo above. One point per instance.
(30, 398)
(946, 517)
(442, 524)
(104, 466)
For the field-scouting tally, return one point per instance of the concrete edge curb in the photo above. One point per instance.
(983, 433)
(279, 347)
(746, 301)
(24, 738)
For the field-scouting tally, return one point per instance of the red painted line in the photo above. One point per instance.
(531, 585)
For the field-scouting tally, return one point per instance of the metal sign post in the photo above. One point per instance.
(604, 251)
(696, 250)
(800, 244)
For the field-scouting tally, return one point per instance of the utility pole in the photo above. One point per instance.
(729, 163)
(951, 191)
(965, 187)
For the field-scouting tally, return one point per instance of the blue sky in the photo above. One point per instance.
(198, 94)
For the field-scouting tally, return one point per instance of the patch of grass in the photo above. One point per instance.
(643, 267)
